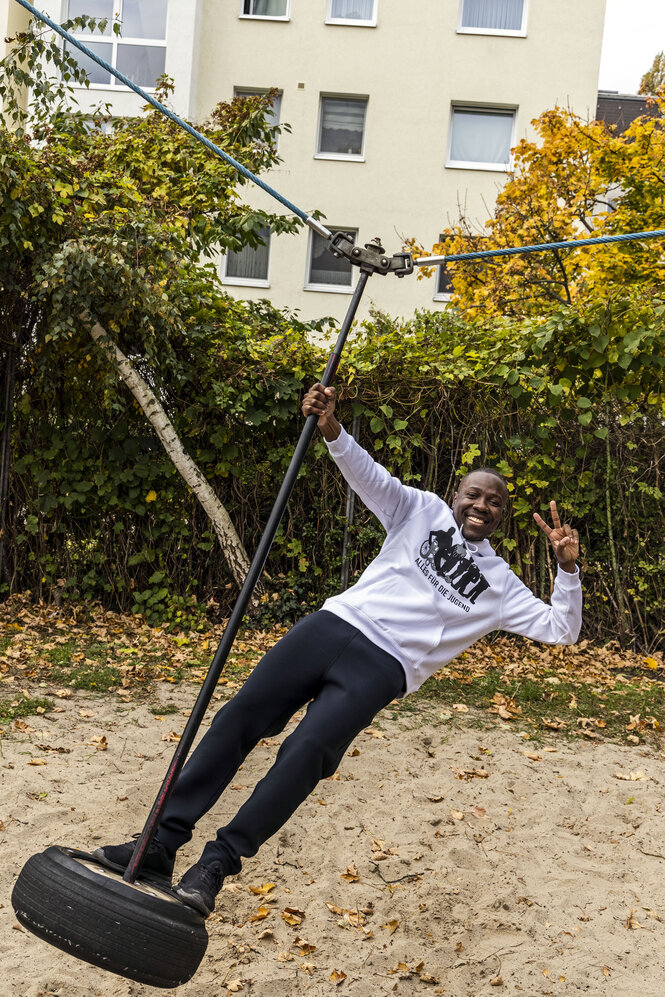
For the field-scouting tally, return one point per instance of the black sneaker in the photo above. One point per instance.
(199, 887)
(157, 866)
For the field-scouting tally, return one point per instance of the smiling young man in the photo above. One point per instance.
(435, 587)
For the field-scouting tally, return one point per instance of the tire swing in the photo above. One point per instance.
(138, 930)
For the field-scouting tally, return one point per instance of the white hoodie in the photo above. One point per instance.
(429, 594)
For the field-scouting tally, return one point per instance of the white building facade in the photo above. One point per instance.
(401, 114)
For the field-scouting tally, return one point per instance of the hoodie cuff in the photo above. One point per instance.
(338, 447)
(568, 580)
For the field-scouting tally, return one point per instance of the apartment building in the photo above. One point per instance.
(402, 114)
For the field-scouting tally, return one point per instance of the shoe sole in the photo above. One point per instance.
(158, 879)
(194, 900)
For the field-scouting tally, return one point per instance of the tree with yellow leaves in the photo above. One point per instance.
(578, 179)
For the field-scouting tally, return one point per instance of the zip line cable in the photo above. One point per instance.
(430, 261)
(317, 226)
(313, 223)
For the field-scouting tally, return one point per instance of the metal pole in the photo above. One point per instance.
(255, 569)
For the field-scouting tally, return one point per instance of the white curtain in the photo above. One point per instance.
(250, 264)
(266, 8)
(352, 10)
(481, 137)
(144, 18)
(95, 8)
(342, 126)
(500, 15)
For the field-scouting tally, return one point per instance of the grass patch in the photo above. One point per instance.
(4, 644)
(623, 710)
(160, 711)
(15, 709)
(94, 678)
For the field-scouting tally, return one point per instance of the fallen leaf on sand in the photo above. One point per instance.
(293, 916)
(262, 890)
(172, 735)
(435, 799)
(351, 874)
(392, 926)
(86, 714)
(631, 922)
(308, 967)
(63, 693)
(100, 743)
(337, 976)
(496, 981)
(470, 773)
(374, 732)
(532, 756)
(457, 814)
(638, 776)
(233, 986)
(36, 761)
(460, 707)
(23, 727)
(607, 971)
(284, 957)
(261, 913)
(306, 948)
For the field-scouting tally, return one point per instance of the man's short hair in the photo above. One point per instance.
(485, 470)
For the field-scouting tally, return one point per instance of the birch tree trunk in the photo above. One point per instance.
(231, 544)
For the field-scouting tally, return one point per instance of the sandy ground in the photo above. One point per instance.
(480, 870)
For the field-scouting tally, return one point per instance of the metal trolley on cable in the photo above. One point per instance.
(127, 924)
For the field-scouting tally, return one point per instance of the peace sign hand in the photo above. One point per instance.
(564, 540)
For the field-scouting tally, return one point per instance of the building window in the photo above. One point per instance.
(342, 127)
(493, 16)
(358, 12)
(481, 138)
(139, 53)
(443, 287)
(273, 115)
(326, 272)
(265, 8)
(249, 266)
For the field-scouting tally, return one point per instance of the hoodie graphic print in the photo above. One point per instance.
(429, 594)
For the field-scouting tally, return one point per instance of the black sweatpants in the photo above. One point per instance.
(323, 661)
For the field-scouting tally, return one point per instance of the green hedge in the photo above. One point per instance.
(570, 408)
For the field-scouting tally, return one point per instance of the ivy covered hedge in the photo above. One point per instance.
(570, 408)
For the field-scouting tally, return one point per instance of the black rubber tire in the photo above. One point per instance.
(136, 930)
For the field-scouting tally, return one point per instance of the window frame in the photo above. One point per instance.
(265, 17)
(258, 92)
(459, 164)
(328, 288)
(350, 21)
(344, 157)
(506, 33)
(248, 281)
(116, 40)
(442, 296)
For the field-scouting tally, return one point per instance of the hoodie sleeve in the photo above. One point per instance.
(557, 623)
(383, 494)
